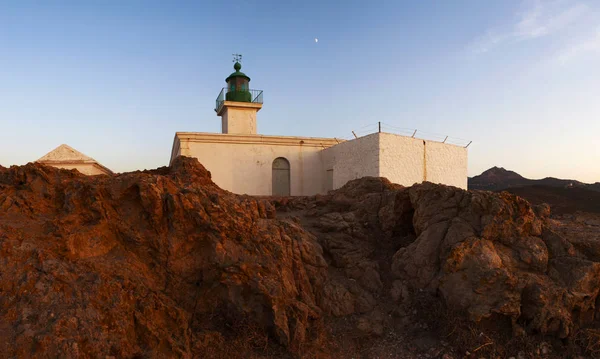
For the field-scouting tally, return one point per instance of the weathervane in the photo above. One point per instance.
(237, 57)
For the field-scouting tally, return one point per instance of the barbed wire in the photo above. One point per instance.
(369, 125)
(405, 131)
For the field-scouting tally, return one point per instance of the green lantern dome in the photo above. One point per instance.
(238, 87)
(237, 67)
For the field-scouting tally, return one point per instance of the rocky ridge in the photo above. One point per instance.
(498, 179)
(164, 263)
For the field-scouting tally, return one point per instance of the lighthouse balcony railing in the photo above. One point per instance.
(255, 96)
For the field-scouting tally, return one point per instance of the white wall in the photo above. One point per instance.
(446, 164)
(353, 159)
(243, 164)
(401, 159)
(239, 117)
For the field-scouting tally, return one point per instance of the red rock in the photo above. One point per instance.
(163, 263)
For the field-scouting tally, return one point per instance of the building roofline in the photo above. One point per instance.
(256, 139)
(421, 139)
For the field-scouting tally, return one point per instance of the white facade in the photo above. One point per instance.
(244, 163)
(401, 159)
(446, 164)
(238, 117)
(352, 159)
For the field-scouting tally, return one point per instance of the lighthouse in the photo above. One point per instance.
(237, 104)
(242, 160)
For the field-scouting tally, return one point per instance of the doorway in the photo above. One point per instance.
(281, 177)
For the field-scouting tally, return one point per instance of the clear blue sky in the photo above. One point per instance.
(117, 79)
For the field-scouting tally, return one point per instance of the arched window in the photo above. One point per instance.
(281, 177)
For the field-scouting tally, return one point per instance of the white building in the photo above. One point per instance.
(69, 158)
(244, 162)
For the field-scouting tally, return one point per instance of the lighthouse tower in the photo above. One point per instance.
(237, 104)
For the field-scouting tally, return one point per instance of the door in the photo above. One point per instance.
(281, 177)
(329, 180)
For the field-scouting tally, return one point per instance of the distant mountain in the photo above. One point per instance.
(561, 200)
(498, 179)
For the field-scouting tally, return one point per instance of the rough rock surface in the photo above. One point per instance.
(494, 254)
(134, 264)
(163, 263)
(486, 254)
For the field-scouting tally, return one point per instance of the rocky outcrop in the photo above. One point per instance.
(163, 263)
(136, 264)
(492, 254)
(486, 255)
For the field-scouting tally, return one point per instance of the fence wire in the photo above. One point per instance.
(405, 131)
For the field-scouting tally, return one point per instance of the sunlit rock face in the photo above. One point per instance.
(164, 263)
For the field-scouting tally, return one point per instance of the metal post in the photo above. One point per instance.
(468, 144)
(445, 139)
(414, 133)
(354, 134)
(379, 126)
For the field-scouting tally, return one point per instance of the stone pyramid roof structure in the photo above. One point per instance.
(65, 154)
